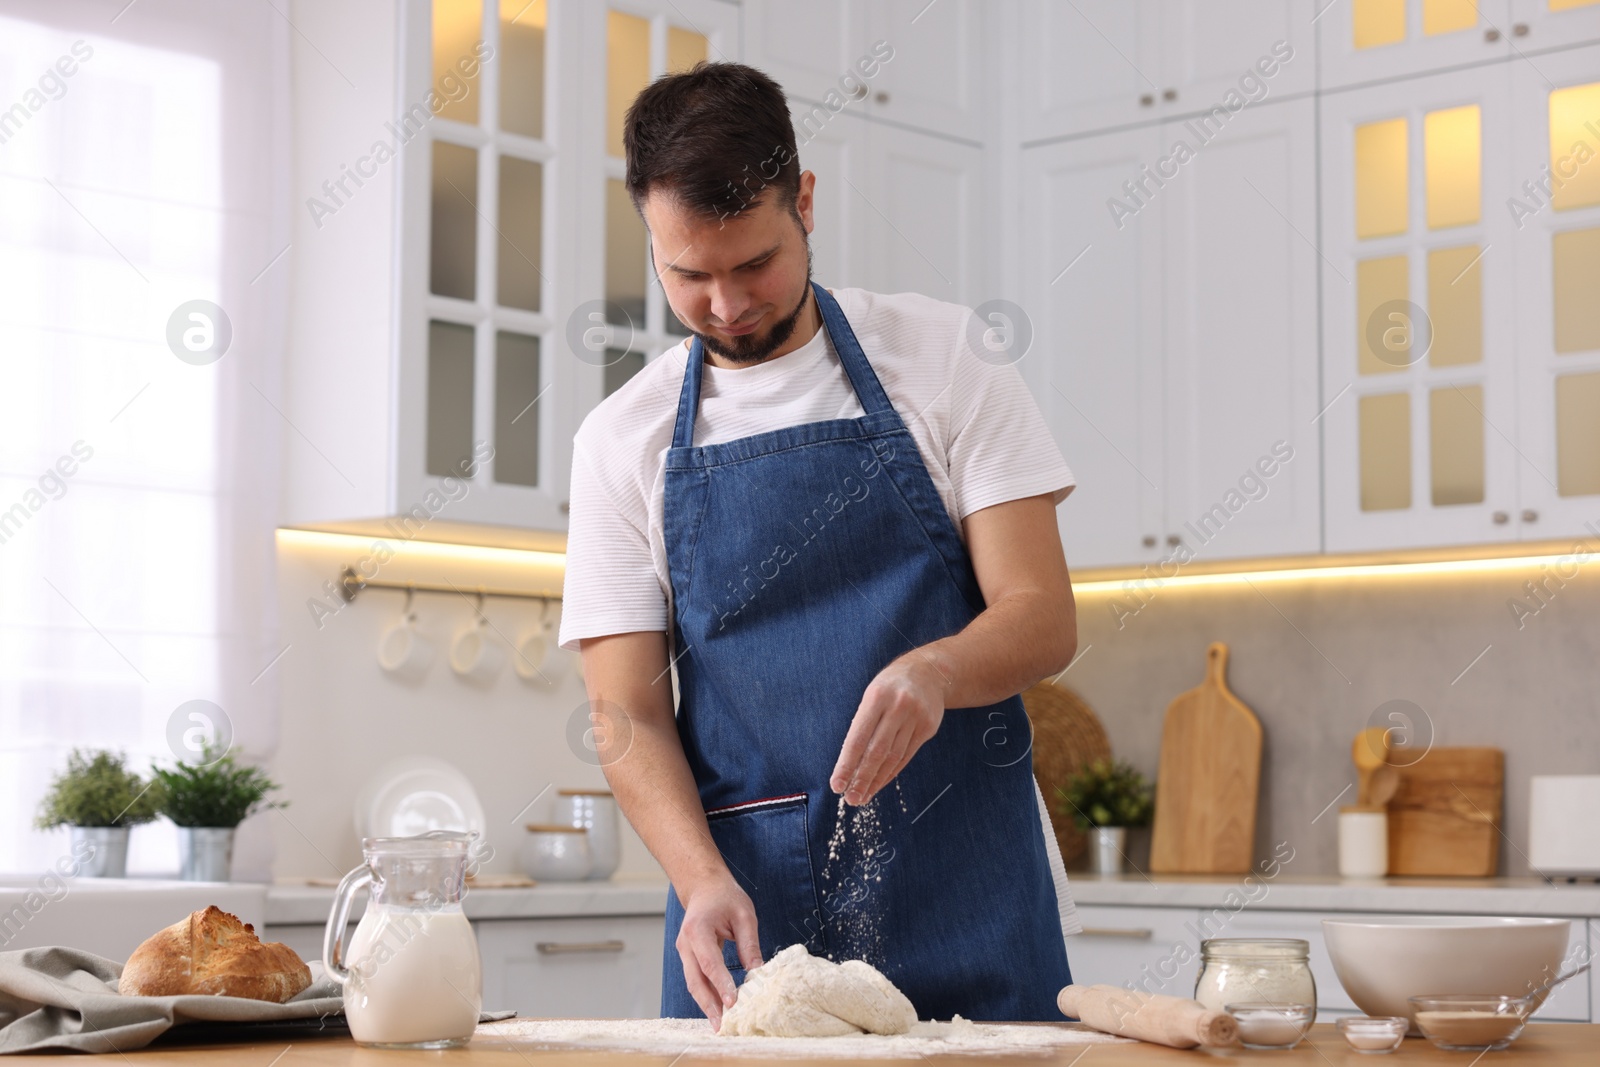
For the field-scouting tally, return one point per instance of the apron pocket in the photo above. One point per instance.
(769, 854)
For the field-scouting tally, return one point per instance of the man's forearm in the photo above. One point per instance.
(656, 791)
(1012, 644)
(636, 734)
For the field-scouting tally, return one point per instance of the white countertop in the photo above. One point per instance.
(296, 903)
(1450, 896)
(292, 903)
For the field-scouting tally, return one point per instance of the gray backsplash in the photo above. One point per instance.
(1316, 659)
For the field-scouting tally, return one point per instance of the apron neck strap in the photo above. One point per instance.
(869, 391)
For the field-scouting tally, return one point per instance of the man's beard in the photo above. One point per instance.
(754, 348)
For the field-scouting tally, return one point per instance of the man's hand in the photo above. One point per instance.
(720, 911)
(901, 709)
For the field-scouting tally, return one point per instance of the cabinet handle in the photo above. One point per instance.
(1147, 99)
(1169, 94)
(1520, 29)
(565, 948)
(1529, 515)
(566, 506)
(1149, 540)
(1491, 35)
(1173, 540)
(1501, 518)
(1132, 933)
(880, 97)
(859, 92)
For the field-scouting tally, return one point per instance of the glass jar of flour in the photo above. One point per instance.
(1268, 970)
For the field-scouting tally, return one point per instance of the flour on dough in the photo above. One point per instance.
(796, 994)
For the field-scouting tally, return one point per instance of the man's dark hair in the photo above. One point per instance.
(717, 138)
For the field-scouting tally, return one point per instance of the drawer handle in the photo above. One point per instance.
(562, 948)
(1134, 933)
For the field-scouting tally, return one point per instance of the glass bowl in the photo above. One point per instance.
(1364, 1033)
(1467, 1022)
(1272, 1025)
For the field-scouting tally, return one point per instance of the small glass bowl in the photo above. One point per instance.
(1272, 1025)
(1371, 1034)
(1467, 1022)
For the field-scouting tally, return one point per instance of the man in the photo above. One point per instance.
(836, 524)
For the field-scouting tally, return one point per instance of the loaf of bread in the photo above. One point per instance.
(212, 953)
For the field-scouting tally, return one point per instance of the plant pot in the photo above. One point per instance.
(205, 853)
(1106, 847)
(107, 854)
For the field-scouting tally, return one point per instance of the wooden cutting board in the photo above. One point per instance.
(1445, 817)
(1210, 774)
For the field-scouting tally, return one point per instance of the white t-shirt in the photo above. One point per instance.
(977, 427)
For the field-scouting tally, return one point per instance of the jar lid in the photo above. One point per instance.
(554, 828)
(1283, 948)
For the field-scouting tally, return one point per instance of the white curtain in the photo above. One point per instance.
(143, 166)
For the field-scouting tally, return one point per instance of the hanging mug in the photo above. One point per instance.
(475, 654)
(538, 659)
(404, 650)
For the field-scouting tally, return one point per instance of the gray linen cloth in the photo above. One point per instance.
(62, 999)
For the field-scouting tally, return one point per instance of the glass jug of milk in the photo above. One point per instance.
(411, 973)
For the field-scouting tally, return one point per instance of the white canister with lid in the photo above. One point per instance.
(1363, 841)
(596, 811)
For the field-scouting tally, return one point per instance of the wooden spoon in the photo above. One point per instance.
(1382, 785)
(1369, 751)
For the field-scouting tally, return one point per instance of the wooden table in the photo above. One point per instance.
(1541, 1045)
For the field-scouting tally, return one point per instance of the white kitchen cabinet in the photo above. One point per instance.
(1092, 287)
(1180, 351)
(1379, 41)
(1419, 294)
(935, 81)
(590, 968)
(489, 282)
(1241, 345)
(1538, 25)
(810, 49)
(304, 938)
(834, 147)
(1557, 257)
(1153, 949)
(1101, 64)
(919, 214)
(908, 62)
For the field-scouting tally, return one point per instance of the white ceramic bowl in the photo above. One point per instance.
(554, 853)
(1380, 962)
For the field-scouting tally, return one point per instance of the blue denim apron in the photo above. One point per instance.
(803, 560)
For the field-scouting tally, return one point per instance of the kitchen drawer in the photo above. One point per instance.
(602, 968)
(1154, 949)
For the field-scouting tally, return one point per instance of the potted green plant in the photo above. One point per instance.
(1104, 799)
(99, 798)
(207, 800)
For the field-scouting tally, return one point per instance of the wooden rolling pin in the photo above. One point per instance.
(1171, 1021)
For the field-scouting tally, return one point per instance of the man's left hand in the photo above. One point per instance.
(901, 709)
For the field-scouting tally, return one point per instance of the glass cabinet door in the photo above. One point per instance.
(1361, 41)
(1419, 401)
(1558, 270)
(640, 46)
(476, 390)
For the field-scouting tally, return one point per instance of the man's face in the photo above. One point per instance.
(738, 282)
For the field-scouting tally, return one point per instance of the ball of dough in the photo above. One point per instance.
(796, 994)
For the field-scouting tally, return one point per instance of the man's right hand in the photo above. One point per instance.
(715, 912)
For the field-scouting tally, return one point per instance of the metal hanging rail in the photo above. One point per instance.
(351, 583)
